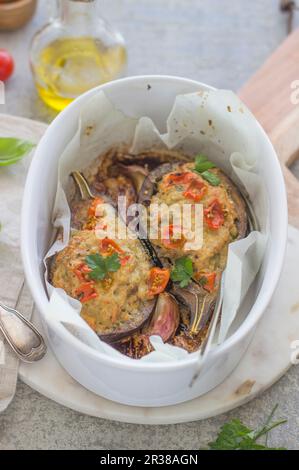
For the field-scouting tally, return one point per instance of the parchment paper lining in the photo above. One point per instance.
(215, 123)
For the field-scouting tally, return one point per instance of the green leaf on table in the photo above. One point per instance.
(100, 266)
(230, 436)
(182, 271)
(234, 435)
(12, 150)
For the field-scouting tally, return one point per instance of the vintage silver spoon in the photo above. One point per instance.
(21, 335)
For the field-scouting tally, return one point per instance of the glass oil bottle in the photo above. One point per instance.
(76, 51)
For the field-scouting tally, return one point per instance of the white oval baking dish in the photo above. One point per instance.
(139, 383)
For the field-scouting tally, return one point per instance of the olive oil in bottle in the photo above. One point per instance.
(75, 53)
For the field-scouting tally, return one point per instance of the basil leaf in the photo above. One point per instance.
(12, 150)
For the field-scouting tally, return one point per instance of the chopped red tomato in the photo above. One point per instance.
(168, 239)
(158, 280)
(195, 191)
(178, 178)
(214, 215)
(86, 292)
(81, 271)
(93, 206)
(124, 260)
(207, 280)
(108, 247)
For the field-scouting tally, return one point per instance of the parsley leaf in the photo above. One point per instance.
(100, 266)
(230, 436)
(202, 164)
(234, 435)
(183, 271)
(211, 178)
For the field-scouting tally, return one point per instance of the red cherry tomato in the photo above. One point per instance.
(178, 178)
(93, 206)
(158, 280)
(195, 191)
(207, 280)
(81, 271)
(6, 65)
(169, 240)
(86, 292)
(108, 247)
(214, 215)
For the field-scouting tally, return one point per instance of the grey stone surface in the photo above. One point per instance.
(221, 43)
(34, 422)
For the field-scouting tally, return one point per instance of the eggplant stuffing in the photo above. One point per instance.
(133, 288)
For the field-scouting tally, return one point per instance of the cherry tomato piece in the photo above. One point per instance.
(214, 215)
(93, 206)
(195, 191)
(81, 271)
(158, 280)
(169, 240)
(86, 292)
(108, 247)
(178, 178)
(207, 280)
(6, 65)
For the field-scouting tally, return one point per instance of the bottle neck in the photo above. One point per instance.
(79, 12)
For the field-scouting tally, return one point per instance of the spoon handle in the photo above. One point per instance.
(21, 335)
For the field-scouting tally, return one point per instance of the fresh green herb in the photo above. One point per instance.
(234, 435)
(211, 178)
(183, 271)
(12, 150)
(100, 266)
(202, 164)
